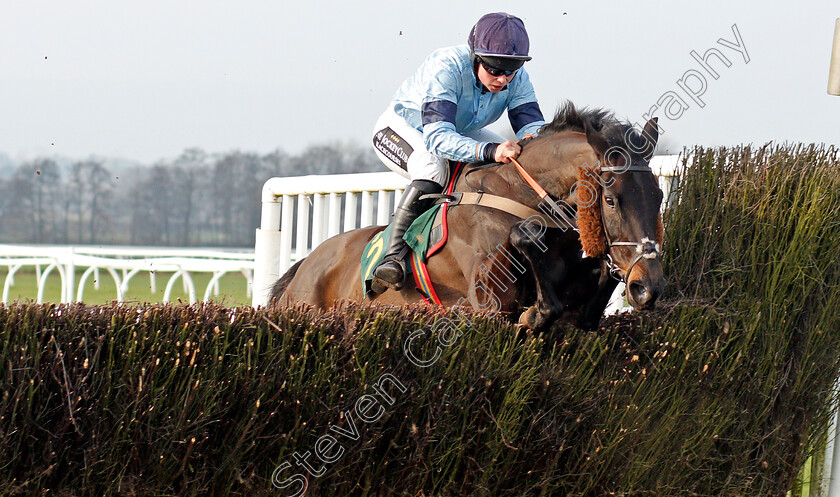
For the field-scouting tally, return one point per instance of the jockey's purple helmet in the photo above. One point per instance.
(500, 39)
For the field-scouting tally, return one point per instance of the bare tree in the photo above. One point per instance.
(277, 163)
(152, 196)
(185, 172)
(18, 210)
(92, 188)
(195, 199)
(236, 194)
(46, 196)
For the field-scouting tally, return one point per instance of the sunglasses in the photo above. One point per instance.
(495, 71)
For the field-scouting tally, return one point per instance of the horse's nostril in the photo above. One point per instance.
(639, 292)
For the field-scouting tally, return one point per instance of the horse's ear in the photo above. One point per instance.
(651, 135)
(595, 140)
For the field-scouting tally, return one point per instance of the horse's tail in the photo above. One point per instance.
(281, 284)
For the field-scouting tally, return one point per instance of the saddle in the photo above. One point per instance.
(426, 233)
(429, 233)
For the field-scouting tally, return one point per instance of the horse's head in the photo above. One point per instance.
(618, 209)
(603, 166)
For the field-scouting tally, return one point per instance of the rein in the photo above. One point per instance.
(646, 248)
(538, 189)
(504, 204)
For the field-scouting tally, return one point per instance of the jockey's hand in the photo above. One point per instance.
(506, 151)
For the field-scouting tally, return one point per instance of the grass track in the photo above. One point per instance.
(232, 288)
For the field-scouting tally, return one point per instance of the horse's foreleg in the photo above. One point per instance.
(593, 310)
(528, 239)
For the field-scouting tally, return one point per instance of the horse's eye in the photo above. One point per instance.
(610, 200)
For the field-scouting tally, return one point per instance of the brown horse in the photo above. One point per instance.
(586, 164)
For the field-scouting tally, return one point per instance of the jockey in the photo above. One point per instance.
(438, 114)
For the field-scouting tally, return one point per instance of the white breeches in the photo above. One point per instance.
(402, 149)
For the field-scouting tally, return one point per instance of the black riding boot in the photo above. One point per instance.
(391, 271)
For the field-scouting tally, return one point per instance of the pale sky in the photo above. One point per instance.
(145, 80)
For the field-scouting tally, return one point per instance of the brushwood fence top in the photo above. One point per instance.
(123, 263)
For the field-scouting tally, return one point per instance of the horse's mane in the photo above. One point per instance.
(615, 133)
(603, 122)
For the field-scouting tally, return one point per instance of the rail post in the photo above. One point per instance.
(834, 67)
(266, 248)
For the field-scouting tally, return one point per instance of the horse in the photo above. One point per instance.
(586, 168)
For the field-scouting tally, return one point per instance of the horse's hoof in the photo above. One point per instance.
(521, 328)
(528, 319)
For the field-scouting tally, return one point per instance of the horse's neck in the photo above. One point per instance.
(558, 160)
(553, 161)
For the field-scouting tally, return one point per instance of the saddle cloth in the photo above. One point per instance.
(424, 233)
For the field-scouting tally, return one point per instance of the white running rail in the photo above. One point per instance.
(288, 202)
(122, 264)
(324, 196)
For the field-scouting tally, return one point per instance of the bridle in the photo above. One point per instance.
(646, 248)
